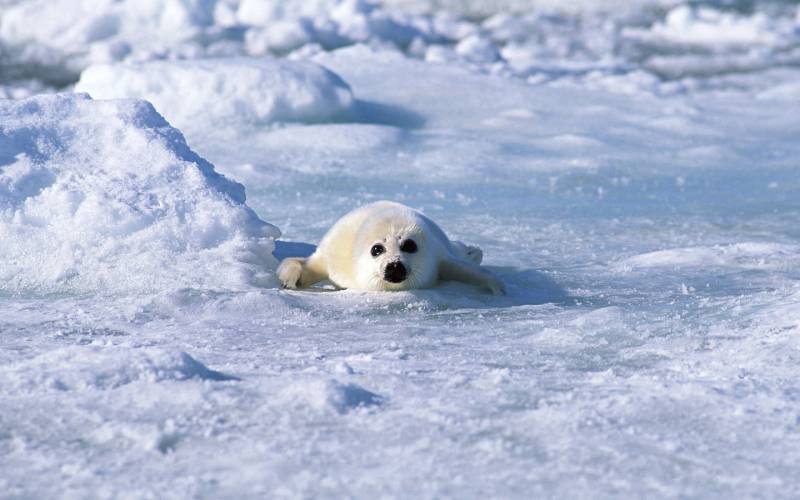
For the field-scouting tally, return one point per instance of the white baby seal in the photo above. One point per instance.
(387, 246)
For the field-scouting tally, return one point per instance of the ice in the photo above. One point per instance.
(280, 37)
(63, 37)
(751, 255)
(95, 368)
(322, 395)
(544, 42)
(236, 95)
(106, 196)
(629, 171)
(707, 26)
(477, 49)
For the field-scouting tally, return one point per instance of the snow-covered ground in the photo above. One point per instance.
(630, 173)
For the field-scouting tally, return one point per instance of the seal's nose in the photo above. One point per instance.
(395, 272)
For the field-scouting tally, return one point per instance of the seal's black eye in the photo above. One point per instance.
(408, 246)
(376, 250)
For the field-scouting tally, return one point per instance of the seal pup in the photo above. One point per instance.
(387, 246)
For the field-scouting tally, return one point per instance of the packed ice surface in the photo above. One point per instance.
(631, 175)
(106, 196)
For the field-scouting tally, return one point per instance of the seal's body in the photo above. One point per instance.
(387, 246)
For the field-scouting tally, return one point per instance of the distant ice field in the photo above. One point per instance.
(647, 46)
(631, 175)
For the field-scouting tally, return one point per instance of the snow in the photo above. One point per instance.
(106, 196)
(234, 95)
(753, 255)
(547, 42)
(93, 368)
(706, 26)
(630, 174)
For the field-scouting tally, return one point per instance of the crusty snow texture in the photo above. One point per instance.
(630, 170)
(106, 196)
(658, 46)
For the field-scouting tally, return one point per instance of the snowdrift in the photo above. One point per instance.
(237, 93)
(106, 195)
(92, 368)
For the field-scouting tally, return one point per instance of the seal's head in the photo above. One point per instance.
(393, 253)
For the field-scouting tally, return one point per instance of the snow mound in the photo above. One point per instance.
(708, 26)
(627, 47)
(329, 23)
(80, 368)
(230, 93)
(58, 38)
(322, 395)
(748, 255)
(704, 41)
(105, 195)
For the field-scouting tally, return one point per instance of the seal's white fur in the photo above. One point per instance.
(343, 256)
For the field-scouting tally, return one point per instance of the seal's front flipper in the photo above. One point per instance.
(300, 273)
